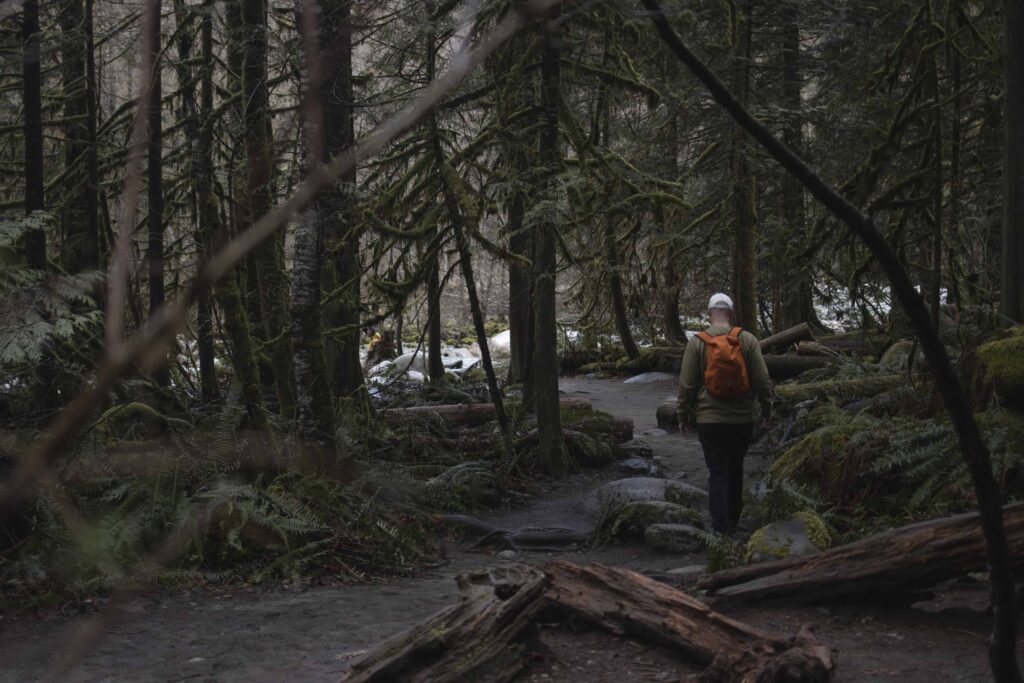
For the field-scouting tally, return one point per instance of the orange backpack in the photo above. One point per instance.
(725, 372)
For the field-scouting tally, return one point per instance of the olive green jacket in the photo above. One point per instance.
(697, 406)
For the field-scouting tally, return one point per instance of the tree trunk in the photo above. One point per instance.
(341, 231)
(155, 192)
(798, 333)
(624, 601)
(208, 216)
(457, 220)
(550, 451)
(80, 248)
(893, 566)
(744, 247)
(34, 239)
(435, 364)
(1013, 163)
(1003, 647)
(797, 304)
(615, 285)
(258, 200)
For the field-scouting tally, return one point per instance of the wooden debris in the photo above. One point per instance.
(788, 337)
(475, 640)
(624, 601)
(887, 567)
(481, 639)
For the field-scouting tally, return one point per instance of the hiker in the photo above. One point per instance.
(723, 371)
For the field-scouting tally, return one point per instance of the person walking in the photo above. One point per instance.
(722, 373)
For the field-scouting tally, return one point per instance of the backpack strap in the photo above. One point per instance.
(735, 332)
(704, 337)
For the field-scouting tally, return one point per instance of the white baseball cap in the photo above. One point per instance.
(721, 301)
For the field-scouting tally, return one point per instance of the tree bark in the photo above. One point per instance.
(435, 364)
(1013, 163)
(341, 231)
(744, 189)
(155, 192)
(624, 601)
(615, 286)
(208, 215)
(272, 283)
(893, 566)
(788, 337)
(1003, 647)
(797, 302)
(34, 239)
(79, 227)
(477, 639)
(550, 452)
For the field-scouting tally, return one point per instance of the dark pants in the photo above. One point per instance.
(724, 446)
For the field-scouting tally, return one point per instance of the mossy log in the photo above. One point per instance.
(623, 601)
(465, 413)
(788, 337)
(788, 367)
(888, 567)
(479, 639)
(839, 389)
(831, 348)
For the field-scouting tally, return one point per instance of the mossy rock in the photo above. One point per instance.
(632, 519)
(674, 538)
(614, 494)
(1000, 368)
(130, 421)
(897, 357)
(791, 538)
(817, 530)
(474, 374)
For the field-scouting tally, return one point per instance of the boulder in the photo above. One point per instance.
(1000, 369)
(381, 368)
(804, 534)
(500, 345)
(632, 519)
(414, 360)
(674, 538)
(607, 497)
(635, 449)
(640, 468)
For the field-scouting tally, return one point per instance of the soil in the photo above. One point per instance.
(297, 633)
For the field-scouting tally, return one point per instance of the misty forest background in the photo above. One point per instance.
(575, 200)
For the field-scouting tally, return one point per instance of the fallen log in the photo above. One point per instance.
(788, 367)
(832, 348)
(788, 337)
(476, 640)
(623, 601)
(891, 565)
(465, 413)
(840, 390)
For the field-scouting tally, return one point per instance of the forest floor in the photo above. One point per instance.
(301, 633)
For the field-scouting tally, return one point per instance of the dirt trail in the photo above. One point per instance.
(296, 634)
